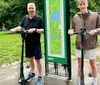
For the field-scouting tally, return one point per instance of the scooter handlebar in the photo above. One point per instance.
(81, 33)
(22, 31)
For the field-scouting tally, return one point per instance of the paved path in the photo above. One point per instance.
(88, 80)
(9, 74)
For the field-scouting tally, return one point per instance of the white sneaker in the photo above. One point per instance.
(78, 80)
(94, 83)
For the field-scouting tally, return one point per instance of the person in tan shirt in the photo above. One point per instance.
(91, 21)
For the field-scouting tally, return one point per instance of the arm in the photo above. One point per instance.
(36, 30)
(18, 28)
(71, 31)
(97, 30)
(41, 26)
(98, 24)
(40, 30)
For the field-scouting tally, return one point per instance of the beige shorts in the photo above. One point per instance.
(90, 54)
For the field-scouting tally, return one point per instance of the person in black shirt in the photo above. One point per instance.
(34, 24)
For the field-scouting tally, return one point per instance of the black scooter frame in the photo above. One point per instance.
(83, 32)
(22, 80)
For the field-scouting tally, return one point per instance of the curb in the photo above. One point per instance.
(9, 64)
(17, 62)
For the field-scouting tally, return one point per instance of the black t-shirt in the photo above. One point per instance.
(35, 22)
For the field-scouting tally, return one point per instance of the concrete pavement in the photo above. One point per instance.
(9, 74)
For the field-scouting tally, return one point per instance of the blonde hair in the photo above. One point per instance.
(83, 1)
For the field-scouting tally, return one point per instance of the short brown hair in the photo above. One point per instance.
(32, 4)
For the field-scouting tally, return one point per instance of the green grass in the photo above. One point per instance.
(10, 47)
(73, 48)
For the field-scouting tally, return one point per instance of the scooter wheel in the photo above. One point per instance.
(90, 75)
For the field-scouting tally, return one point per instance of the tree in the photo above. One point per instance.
(12, 11)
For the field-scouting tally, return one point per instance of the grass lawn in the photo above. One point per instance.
(10, 47)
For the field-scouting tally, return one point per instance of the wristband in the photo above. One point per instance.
(35, 29)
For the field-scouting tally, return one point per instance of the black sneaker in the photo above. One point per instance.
(31, 76)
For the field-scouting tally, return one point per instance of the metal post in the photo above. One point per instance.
(68, 38)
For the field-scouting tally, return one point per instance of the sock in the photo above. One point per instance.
(39, 76)
(33, 74)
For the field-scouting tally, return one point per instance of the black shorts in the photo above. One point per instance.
(33, 50)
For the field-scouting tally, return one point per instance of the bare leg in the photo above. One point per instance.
(93, 67)
(32, 64)
(94, 71)
(79, 65)
(39, 67)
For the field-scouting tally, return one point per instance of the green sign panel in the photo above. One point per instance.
(55, 31)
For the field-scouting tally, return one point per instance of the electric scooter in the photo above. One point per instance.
(22, 80)
(82, 33)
